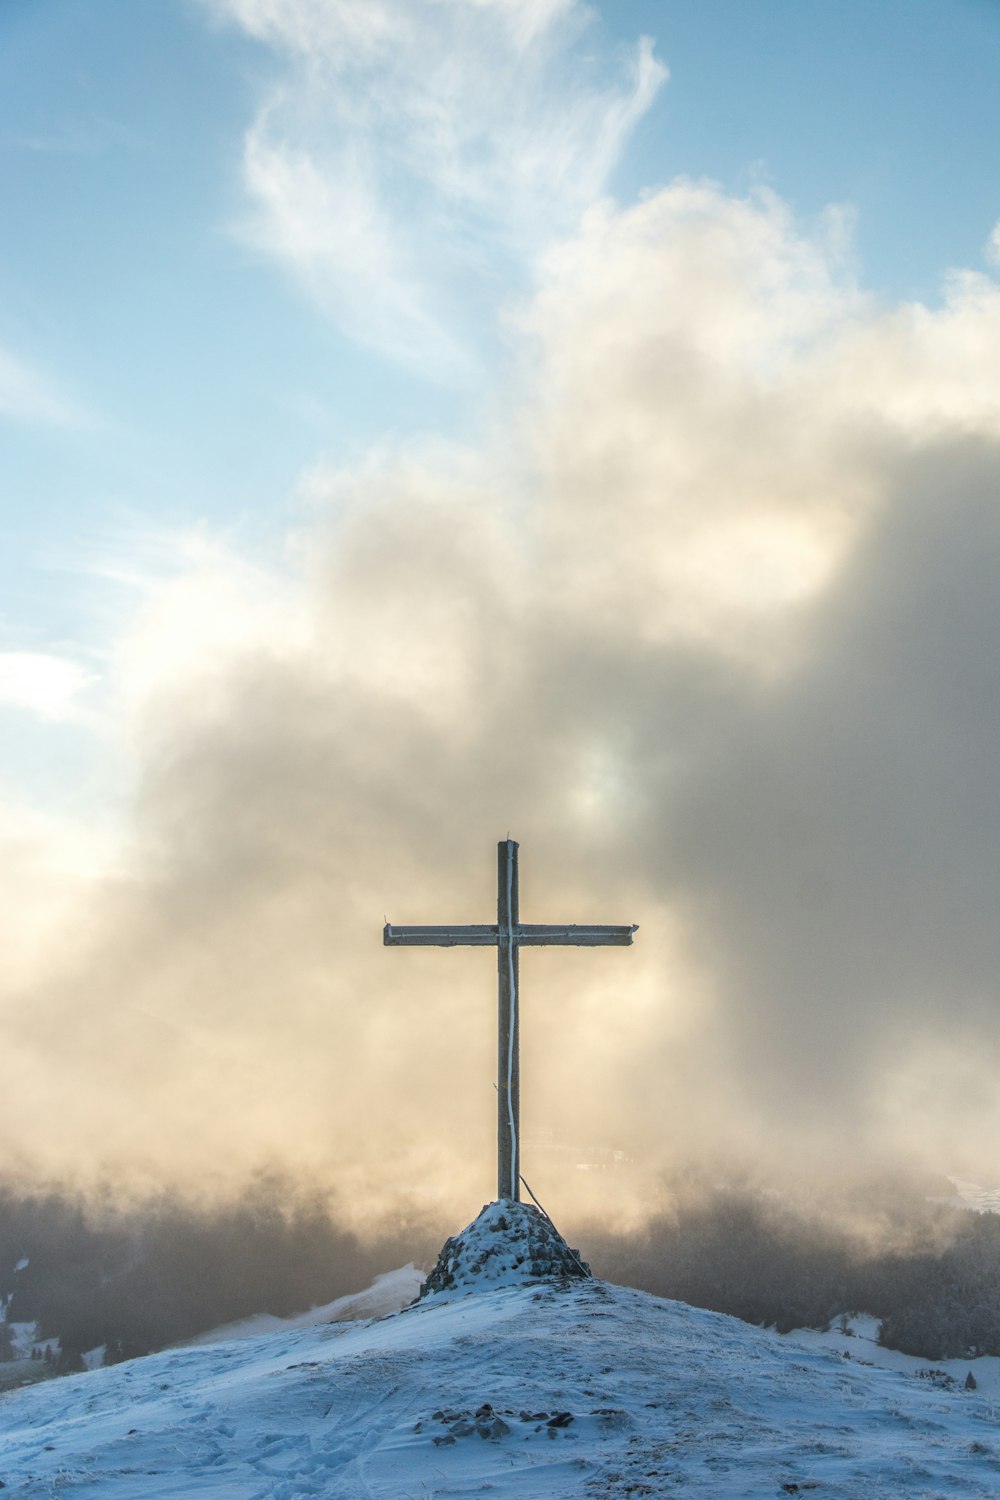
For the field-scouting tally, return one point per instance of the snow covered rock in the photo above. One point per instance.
(507, 1245)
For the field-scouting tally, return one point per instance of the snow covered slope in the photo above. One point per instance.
(548, 1390)
(387, 1293)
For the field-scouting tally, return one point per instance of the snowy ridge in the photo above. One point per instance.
(580, 1389)
(973, 1195)
(855, 1336)
(387, 1294)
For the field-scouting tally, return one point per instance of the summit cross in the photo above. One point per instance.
(508, 936)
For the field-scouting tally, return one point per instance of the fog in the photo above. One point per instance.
(708, 621)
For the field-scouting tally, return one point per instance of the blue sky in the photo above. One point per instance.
(174, 372)
(424, 418)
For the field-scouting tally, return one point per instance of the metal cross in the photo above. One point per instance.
(508, 936)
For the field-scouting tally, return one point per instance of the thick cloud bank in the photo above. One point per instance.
(710, 625)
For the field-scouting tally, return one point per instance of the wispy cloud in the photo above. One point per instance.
(993, 246)
(412, 160)
(28, 396)
(49, 686)
(82, 136)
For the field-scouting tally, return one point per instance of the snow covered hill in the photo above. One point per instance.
(507, 1386)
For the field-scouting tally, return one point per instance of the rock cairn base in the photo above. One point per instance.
(509, 1244)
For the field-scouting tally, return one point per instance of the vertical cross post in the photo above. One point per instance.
(509, 936)
(508, 1061)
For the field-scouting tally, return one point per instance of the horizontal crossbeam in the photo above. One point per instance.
(571, 935)
(439, 937)
(523, 934)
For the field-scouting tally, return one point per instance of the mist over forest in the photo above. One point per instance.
(135, 1279)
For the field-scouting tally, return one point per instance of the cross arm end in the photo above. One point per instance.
(574, 935)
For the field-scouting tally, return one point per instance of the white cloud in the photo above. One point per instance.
(331, 230)
(413, 159)
(710, 627)
(993, 246)
(45, 685)
(339, 29)
(927, 371)
(48, 866)
(203, 612)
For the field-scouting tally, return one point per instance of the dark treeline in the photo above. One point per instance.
(139, 1279)
(136, 1280)
(930, 1272)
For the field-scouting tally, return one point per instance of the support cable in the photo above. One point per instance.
(548, 1218)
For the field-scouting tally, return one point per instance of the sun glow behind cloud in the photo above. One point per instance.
(706, 620)
(663, 558)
